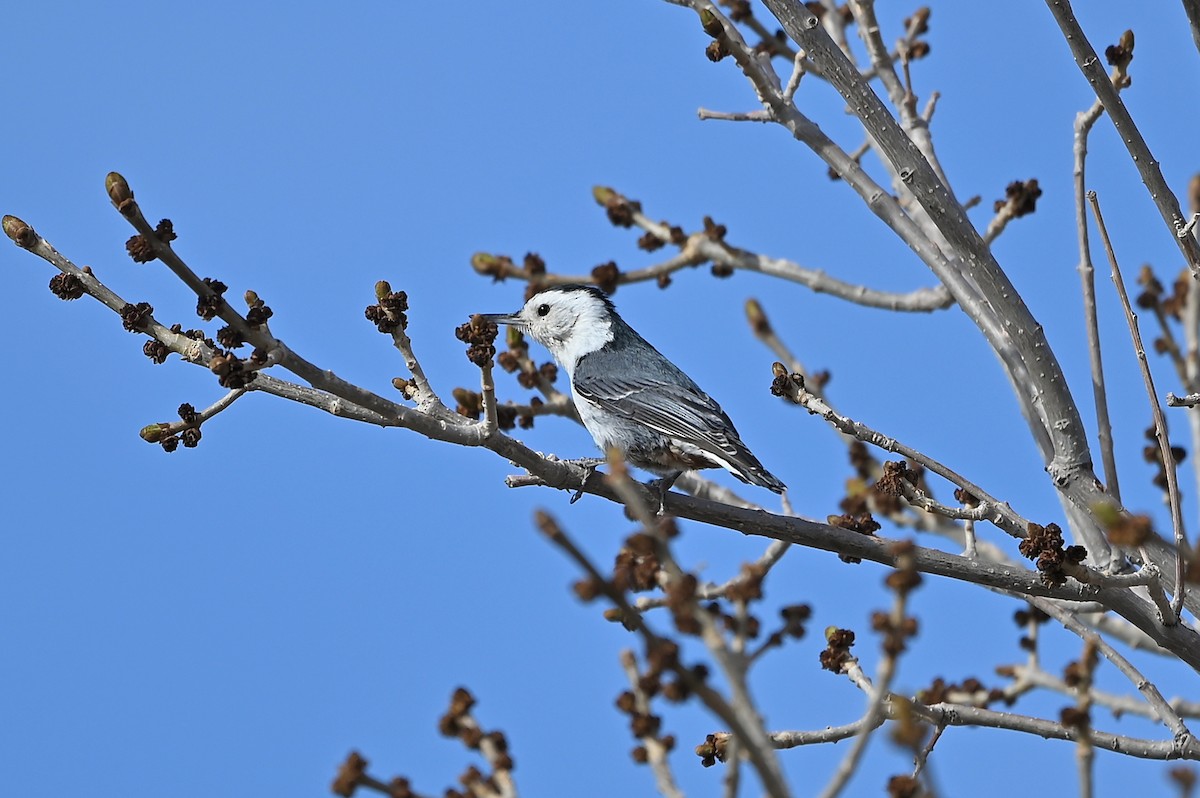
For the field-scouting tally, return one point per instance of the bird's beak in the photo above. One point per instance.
(511, 319)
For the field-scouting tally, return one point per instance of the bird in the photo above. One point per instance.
(629, 396)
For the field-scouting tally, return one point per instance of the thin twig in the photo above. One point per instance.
(656, 752)
(766, 765)
(1148, 167)
(1084, 122)
(920, 762)
(487, 386)
(876, 709)
(799, 67)
(427, 399)
(1191, 400)
(1166, 714)
(155, 433)
(699, 248)
(760, 115)
(1032, 675)
(951, 714)
(1003, 515)
(1160, 423)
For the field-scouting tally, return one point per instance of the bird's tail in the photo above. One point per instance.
(749, 470)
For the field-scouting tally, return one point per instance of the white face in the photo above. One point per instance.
(568, 323)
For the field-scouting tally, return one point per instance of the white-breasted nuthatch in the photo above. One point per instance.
(628, 395)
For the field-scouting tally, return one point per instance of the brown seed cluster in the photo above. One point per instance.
(714, 749)
(231, 371)
(903, 786)
(620, 210)
(480, 335)
(637, 564)
(1120, 54)
(1152, 453)
(1153, 296)
(717, 49)
(739, 10)
(194, 334)
(470, 403)
(1078, 673)
(66, 286)
(229, 337)
(349, 776)
(1130, 531)
(141, 248)
(664, 675)
(681, 601)
(895, 635)
(259, 313)
(1045, 545)
(888, 491)
(499, 267)
(785, 384)
(836, 653)
(794, 618)
(969, 691)
(662, 660)
(208, 306)
(156, 350)
(134, 318)
(516, 358)
(1021, 196)
(388, 315)
(642, 725)
(607, 276)
(863, 523)
(648, 242)
(352, 774)
(188, 413)
(905, 578)
(1184, 778)
(1025, 617)
(714, 231)
(457, 722)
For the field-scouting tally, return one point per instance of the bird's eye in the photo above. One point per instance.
(542, 310)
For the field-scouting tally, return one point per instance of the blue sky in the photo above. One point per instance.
(233, 619)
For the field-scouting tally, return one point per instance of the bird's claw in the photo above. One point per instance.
(661, 487)
(589, 466)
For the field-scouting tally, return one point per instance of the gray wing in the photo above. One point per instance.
(674, 406)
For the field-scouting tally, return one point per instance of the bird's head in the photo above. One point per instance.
(569, 320)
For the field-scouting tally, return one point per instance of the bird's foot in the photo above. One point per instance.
(589, 464)
(661, 486)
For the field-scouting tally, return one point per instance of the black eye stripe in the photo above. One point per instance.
(543, 310)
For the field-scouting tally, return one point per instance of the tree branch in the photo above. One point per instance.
(1160, 192)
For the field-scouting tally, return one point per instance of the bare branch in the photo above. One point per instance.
(1160, 191)
(1166, 714)
(1003, 516)
(1191, 400)
(1084, 121)
(656, 752)
(699, 248)
(1160, 424)
(987, 297)
(879, 694)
